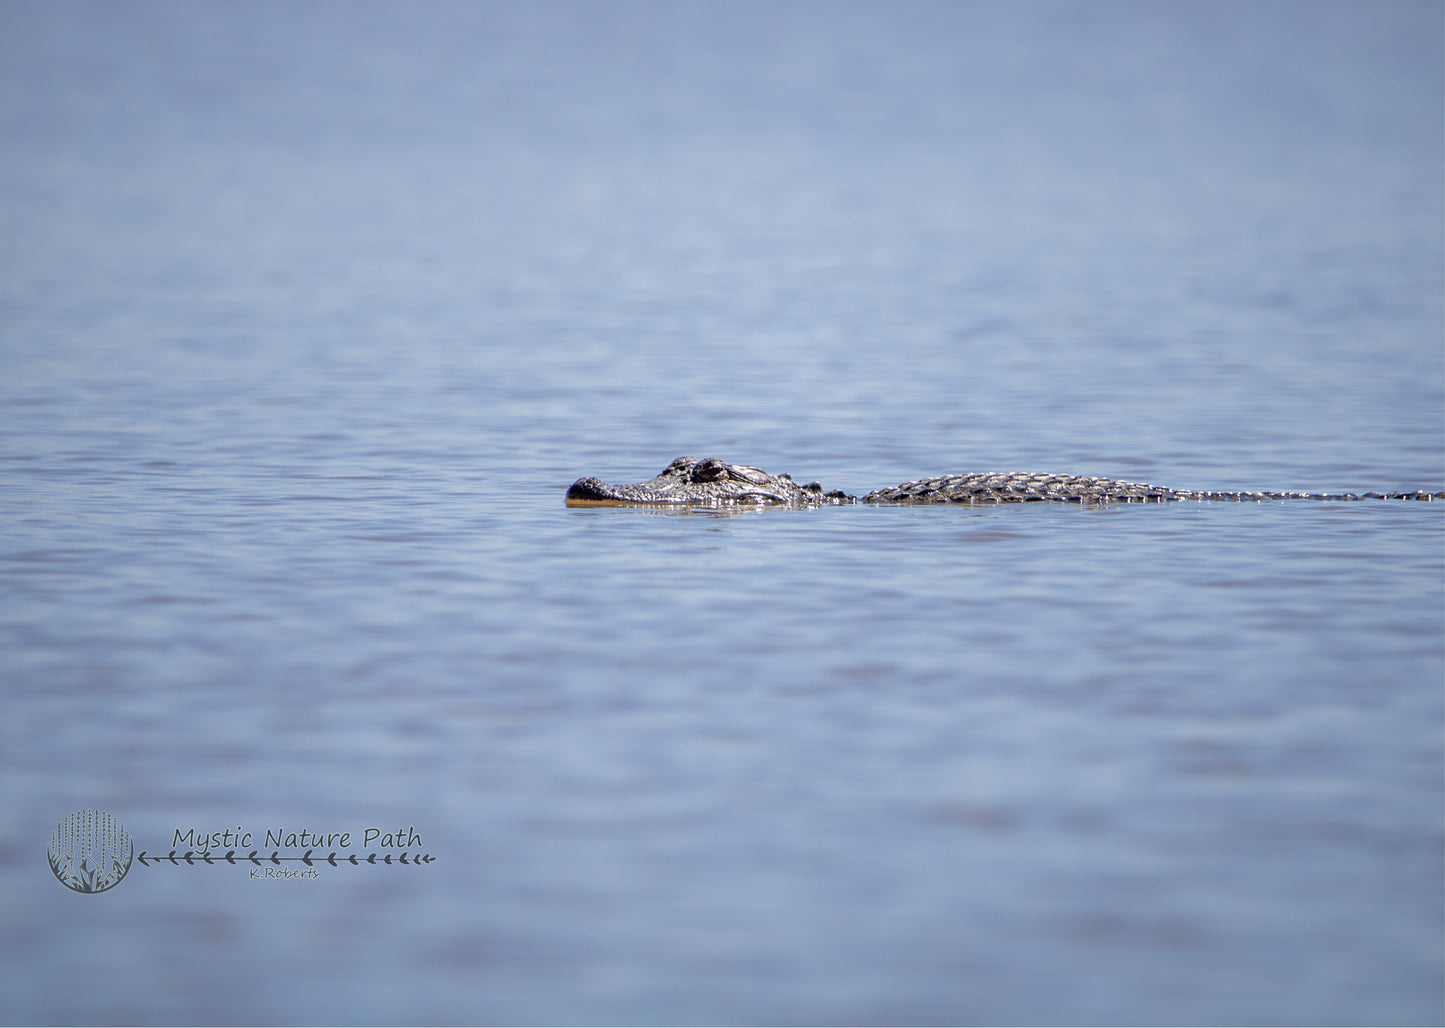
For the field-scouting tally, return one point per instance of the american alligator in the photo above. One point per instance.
(716, 483)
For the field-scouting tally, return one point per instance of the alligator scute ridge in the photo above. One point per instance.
(715, 482)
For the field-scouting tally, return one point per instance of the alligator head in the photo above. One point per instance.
(711, 482)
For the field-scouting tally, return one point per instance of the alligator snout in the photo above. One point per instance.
(590, 490)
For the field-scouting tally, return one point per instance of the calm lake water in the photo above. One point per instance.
(309, 314)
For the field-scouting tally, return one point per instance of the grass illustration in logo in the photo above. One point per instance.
(90, 851)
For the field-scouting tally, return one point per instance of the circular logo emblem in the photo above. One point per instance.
(90, 851)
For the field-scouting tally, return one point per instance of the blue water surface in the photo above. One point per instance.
(309, 314)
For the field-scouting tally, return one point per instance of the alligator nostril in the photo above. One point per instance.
(588, 489)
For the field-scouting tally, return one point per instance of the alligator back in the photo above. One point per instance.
(991, 487)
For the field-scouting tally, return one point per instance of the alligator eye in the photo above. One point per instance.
(711, 470)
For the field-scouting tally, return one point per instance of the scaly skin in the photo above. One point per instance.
(714, 482)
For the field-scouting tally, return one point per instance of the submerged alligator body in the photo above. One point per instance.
(716, 483)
